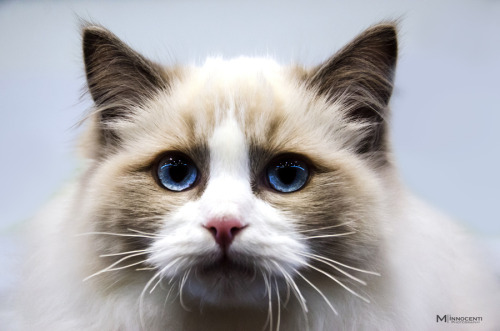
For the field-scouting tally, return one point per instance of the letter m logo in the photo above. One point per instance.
(442, 319)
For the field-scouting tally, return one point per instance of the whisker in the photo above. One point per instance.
(148, 284)
(294, 287)
(125, 267)
(319, 291)
(338, 282)
(270, 296)
(170, 265)
(183, 282)
(155, 285)
(145, 251)
(335, 267)
(325, 227)
(141, 297)
(269, 319)
(254, 274)
(168, 295)
(287, 294)
(145, 233)
(345, 265)
(112, 265)
(145, 269)
(331, 235)
(116, 234)
(296, 292)
(279, 305)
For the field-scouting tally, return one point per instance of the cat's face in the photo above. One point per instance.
(238, 177)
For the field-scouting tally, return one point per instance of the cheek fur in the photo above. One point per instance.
(128, 202)
(336, 215)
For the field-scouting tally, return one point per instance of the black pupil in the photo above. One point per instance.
(178, 172)
(287, 174)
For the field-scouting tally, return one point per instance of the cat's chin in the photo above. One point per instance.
(226, 284)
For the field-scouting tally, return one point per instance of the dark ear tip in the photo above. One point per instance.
(385, 32)
(94, 36)
(388, 30)
(386, 36)
(91, 33)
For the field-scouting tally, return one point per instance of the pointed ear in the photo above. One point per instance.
(361, 76)
(118, 78)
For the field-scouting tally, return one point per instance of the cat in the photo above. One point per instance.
(246, 195)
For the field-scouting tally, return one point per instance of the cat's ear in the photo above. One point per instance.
(118, 78)
(361, 76)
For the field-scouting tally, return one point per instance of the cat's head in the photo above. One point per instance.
(237, 176)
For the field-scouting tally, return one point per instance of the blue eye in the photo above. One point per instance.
(287, 175)
(177, 172)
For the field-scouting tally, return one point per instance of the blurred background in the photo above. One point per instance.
(445, 106)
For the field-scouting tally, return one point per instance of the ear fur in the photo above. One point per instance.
(118, 78)
(361, 75)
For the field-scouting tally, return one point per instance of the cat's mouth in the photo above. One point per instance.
(226, 281)
(227, 267)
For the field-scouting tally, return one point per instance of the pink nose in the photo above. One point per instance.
(224, 230)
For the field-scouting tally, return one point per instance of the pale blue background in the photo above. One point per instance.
(445, 107)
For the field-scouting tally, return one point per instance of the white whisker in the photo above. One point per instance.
(338, 282)
(148, 284)
(181, 285)
(301, 299)
(155, 285)
(144, 251)
(325, 227)
(125, 267)
(319, 291)
(115, 263)
(141, 297)
(116, 234)
(346, 266)
(287, 294)
(168, 295)
(269, 319)
(145, 269)
(296, 291)
(335, 267)
(254, 274)
(331, 235)
(145, 233)
(279, 305)
(270, 296)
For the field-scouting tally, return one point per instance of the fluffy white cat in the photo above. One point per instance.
(245, 195)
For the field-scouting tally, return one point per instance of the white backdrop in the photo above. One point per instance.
(445, 107)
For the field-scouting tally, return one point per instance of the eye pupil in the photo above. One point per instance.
(287, 175)
(178, 172)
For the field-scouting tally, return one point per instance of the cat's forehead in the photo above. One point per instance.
(261, 101)
(248, 90)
